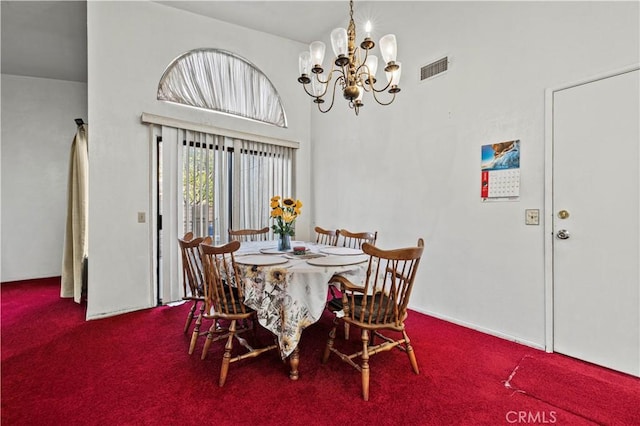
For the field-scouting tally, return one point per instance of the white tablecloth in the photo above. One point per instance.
(289, 297)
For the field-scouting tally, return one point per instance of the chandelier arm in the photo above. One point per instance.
(307, 90)
(362, 72)
(328, 80)
(333, 69)
(383, 103)
(384, 89)
(366, 73)
(364, 77)
(363, 62)
(333, 95)
(326, 84)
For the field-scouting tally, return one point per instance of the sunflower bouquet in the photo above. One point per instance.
(285, 212)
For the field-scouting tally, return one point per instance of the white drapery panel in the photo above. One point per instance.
(222, 81)
(76, 236)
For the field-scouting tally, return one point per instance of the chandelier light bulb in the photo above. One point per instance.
(388, 48)
(372, 66)
(397, 73)
(317, 88)
(367, 29)
(317, 49)
(393, 77)
(339, 41)
(304, 63)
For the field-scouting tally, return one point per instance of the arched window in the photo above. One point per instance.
(222, 81)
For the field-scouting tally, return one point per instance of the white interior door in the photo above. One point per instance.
(596, 230)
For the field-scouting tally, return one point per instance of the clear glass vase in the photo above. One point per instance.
(284, 242)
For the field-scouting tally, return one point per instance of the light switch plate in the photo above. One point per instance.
(532, 217)
(142, 217)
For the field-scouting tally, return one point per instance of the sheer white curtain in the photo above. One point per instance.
(222, 81)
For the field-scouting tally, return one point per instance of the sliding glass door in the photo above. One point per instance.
(207, 184)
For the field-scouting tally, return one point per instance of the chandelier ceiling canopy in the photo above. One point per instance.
(353, 69)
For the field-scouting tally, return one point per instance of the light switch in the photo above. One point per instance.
(532, 217)
(142, 217)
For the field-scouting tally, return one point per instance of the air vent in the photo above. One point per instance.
(434, 68)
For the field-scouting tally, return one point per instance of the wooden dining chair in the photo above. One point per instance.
(355, 239)
(378, 305)
(326, 236)
(249, 234)
(192, 284)
(225, 303)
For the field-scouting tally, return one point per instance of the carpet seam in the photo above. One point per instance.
(507, 384)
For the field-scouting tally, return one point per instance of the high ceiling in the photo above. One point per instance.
(302, 21)
(45, 39)
(48, 39)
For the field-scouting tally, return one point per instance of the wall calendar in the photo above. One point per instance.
(500, 171)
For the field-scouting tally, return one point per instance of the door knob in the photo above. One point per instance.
(562, 234)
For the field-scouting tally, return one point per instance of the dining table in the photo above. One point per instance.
(289, 290)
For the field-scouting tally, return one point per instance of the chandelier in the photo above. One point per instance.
(351, 71)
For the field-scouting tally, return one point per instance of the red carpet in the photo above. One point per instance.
(134, 369)
(583, 389)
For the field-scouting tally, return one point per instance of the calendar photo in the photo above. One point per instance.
(500, 170)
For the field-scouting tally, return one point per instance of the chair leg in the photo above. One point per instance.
(207, 343)
(411, 354)
(190, 317)
(196, 330)
(365, 365)
(327, 348)
(346, 331)
(226, 358)
(195, 334)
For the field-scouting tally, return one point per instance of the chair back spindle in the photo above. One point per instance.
(225, 295)
(244, 235)
(192, 278)
(355, 239)
(389, 281)
(326, 236)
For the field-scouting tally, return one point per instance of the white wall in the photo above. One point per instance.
(407, 170)
(37, 131)
(129, 46)
(412, 169)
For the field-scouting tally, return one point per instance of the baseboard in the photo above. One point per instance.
(481, 329)
(115, 313)
(33, 280)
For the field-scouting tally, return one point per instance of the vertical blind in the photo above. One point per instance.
(263, 171)
(205, 183)
(211, 179)
(228, 182)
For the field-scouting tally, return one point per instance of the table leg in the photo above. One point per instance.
(294, 360)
